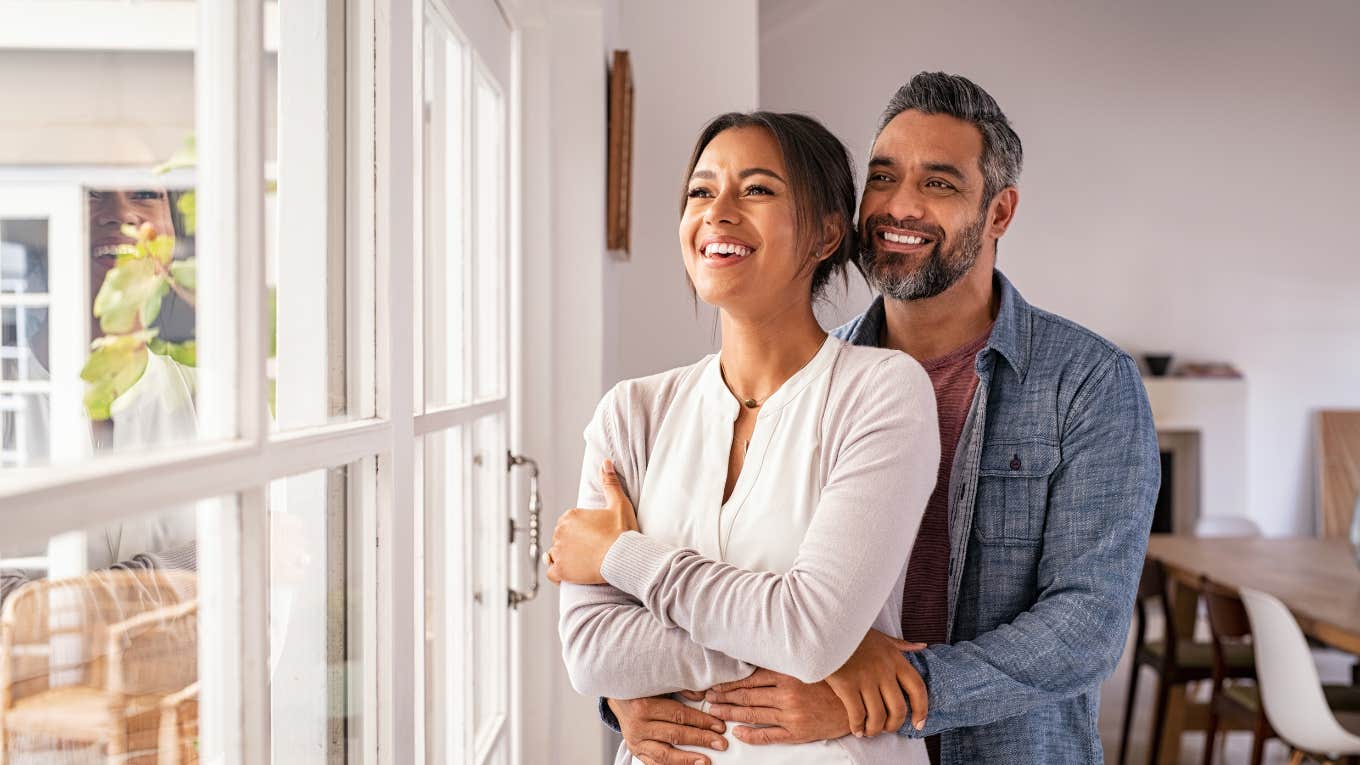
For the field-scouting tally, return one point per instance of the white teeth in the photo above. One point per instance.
(902, 239)
(726, 248)
(115, 250)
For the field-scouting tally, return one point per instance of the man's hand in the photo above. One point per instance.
(863, 697)
(653, 727)
(871, 682)
(796, 712)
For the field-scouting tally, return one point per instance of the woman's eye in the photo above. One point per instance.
(698, 192)
(761, 190)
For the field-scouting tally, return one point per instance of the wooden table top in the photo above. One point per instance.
(1318, 579)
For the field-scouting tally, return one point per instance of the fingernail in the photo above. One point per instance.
(717, 728)
(918, 724)
(717, 743)
(698, 762)
(609, 466)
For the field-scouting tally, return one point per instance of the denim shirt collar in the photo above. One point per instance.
(1010, 335)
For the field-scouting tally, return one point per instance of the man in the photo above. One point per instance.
(1023, 576)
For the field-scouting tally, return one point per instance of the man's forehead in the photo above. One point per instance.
(913, 138)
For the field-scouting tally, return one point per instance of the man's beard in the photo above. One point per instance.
(944, 264)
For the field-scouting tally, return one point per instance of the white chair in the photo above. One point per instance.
(1291, 691)
(1227, 526)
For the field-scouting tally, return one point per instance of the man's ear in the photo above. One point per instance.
(1001, 211)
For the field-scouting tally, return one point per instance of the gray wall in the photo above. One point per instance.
(1189, 180)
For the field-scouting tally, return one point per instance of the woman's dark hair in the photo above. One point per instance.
(820, 179)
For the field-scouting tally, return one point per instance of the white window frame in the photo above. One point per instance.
(237, 457)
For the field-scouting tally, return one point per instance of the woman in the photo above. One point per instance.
(779, 484)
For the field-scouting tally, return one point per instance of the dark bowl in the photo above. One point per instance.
(1157, 363)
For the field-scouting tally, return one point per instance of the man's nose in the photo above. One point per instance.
(906, 201)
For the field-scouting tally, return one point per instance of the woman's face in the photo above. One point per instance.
(738, 233)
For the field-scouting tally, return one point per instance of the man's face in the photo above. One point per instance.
(922, 216)
(109, 210)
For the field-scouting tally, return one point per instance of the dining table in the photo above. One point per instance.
(1318, 580)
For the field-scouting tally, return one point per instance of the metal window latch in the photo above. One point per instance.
(535, 510)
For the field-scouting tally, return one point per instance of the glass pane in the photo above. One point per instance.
(445, 279)
(491, 257)
(101, 632)
(466, 517)
(97, 234)
(23, 429)
(309, 614)
(23, 343)
(23, 256)
(306, 270)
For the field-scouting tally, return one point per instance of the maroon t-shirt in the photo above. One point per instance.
(925, 600)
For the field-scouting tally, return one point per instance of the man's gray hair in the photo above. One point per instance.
(940, 93)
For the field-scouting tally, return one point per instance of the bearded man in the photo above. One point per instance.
(1022, 579)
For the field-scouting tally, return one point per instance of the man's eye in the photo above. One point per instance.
(879, 178)
(938, 184)
(145, 195)
(698, 192)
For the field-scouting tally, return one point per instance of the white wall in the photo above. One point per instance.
(1189, 179)
(103, 107)
(691, 61)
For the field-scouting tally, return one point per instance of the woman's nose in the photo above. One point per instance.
(113, 210)
(723, 210)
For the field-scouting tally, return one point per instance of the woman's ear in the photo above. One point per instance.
(833, 233)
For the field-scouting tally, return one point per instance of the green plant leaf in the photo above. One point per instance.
(273, 298)
(131, 292)
(162, 248)
(185, 273)
(185, 353)
(115, 365)
(188, 207)
(184, 156)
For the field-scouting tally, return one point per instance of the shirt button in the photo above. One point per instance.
(1015, 462)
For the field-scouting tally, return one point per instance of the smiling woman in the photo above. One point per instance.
(734, 486)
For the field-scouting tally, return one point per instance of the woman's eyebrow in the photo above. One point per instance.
(708, 175)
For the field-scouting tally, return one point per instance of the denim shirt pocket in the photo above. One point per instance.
(1012, 492)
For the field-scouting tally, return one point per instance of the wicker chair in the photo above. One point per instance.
(87, 662)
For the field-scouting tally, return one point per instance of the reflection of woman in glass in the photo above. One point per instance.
(158, 409)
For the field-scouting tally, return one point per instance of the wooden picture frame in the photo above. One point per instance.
(619, 186)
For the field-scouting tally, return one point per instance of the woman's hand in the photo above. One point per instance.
(583, 537)
(872, 682)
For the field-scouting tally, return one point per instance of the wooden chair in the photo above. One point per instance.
(87, 662)
(1176, 660)
(179, 728)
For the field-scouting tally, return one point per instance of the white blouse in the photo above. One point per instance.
(790, 572)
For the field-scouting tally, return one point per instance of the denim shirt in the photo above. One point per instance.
(1051, 497)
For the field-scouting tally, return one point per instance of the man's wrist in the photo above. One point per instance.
(608, 717)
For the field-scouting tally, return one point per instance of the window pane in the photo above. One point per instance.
(101, 629)
(467, 619)
(445, 279)
(98, 270)
(23, 429)
(23, 256)
(23, 343)
(309, 617)
(491, 256)
(309, 358)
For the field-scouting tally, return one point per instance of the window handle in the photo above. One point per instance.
(535, 510)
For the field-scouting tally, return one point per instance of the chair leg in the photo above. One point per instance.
(1297, 759)
(1159, 718)
(1128, 711)
(1210, 732)
(1259, 734)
